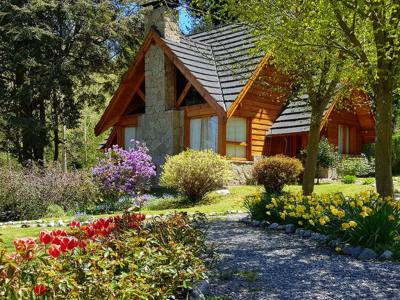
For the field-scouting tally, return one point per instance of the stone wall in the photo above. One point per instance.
(161, 126)
(242, 172)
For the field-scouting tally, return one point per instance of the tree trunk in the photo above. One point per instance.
(383, 148)
(56, 139)
(312, 151)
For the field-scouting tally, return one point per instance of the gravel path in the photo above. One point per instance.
(259, 263)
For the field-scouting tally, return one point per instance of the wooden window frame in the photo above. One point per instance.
(246, 144)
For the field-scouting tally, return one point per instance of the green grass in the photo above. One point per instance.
(213, 203)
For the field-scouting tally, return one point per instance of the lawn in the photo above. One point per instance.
(213, 203)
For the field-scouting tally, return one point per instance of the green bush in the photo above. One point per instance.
(349, 179)
(27, 193)
(396, 154)
(276, 171)
(195, 173)
(55, 211)
(368, 181)
(356, 166)
(255, 205)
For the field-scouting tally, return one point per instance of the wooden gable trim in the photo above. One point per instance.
(141, 95)
(248, 85)
(183, 95)
(128, 121)
(107, 119)
(189, 76)
(329, 112)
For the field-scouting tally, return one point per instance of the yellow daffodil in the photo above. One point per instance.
(392, 218)
(345, 226)
(352, 224)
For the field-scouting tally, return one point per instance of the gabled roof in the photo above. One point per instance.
(296, 115)
(219, 64)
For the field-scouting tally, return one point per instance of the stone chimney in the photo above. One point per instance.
(161, 127)
(165, 20)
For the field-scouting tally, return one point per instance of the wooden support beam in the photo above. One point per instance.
(140, 94)
(183, 94)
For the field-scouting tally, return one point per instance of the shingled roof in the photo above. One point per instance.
(222, 60)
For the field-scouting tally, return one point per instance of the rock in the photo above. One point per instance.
(306, 233)
(300, 231)
(25, 225)
(367, 254)
(387, 254)
(273, 226)
(353, 251)
(200, 289)
(256, 223)
(223, 192)
(334, 243)
(244, 220)
(315, 236)
(281, 227)
(263, 223)
(323, 237)
(290, 228)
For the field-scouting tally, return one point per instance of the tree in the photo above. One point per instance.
(371, 30)
(301, 39)
(55, 57)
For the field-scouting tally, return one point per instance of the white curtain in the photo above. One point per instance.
(204, 133)
(344, 139)
(129, 135)
(236, 131)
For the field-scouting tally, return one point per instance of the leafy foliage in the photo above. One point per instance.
(114, 258)
(27, 193)
(349, 179)
(195, 173)
(364, 219)
(57, 56)
(276, 171)
(327, 154)
(356, 166)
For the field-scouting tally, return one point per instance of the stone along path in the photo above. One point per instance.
(256, 263)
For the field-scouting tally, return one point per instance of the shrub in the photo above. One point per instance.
(27, 193)
(356, 166)
(195, 173)
(124, 173)
(114, 256)
(255, 205)
(276, 171)
(55, 211)
(368, 181)
(364, 219)
(349, 179)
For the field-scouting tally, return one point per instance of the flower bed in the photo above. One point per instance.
(363, 220)
(119, 256)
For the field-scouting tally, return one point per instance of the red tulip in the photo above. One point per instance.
(74, 224)
(82, 244)
(25, 245)
(54, 250)
(72, 243)
(40, 289)
(45, 237)
(58, 232)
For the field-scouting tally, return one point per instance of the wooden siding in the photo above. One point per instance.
(262, 105)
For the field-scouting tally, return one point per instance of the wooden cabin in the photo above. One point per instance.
(211, 90)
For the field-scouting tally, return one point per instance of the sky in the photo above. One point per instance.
(185, 21)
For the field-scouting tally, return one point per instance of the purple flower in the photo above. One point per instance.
(125, 172)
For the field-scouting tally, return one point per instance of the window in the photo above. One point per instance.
(344, 139)
(129, 135)
(236, 137)
(204, 133)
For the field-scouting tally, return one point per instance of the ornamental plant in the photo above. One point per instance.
(276, 171)
(195, 173)
(364, 219)
(124, 173)
(111, 258)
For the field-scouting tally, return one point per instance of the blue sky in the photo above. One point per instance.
(185, 21)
